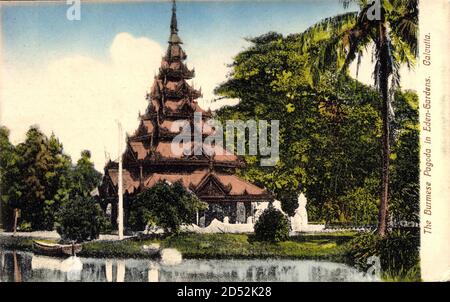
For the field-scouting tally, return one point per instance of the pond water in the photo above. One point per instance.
(26, 267)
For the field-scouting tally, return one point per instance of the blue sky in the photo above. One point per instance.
(38, 33)
(77, 78)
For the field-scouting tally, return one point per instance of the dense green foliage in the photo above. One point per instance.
(272, 226)
(43, 183)
(37, 178)
(405, 157)
(398, 252)
(339, 40)
(164, 205)
(329, 133)
(81, 219)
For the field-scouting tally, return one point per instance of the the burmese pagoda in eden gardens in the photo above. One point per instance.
(149, 158)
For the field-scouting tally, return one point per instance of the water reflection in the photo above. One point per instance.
(22, 266)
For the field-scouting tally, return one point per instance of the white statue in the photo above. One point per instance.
(300, 220)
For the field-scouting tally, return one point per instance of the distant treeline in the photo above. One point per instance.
(37, 178)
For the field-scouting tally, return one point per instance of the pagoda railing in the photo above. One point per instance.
(177, 74)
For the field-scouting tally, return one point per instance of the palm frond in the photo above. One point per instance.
(346, 3)
(326, 29)
(403, 52)
(404, 23)
(406, 31)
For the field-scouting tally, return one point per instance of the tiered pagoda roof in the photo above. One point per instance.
(148, 157)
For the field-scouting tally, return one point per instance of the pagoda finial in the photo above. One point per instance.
(174, 39)
(173, 23)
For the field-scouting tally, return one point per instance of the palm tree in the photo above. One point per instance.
(338, 41)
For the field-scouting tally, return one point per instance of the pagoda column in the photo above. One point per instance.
(141, 176)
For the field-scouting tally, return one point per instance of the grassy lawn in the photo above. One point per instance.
(308, 246)
(324, 246)
(16, 243)
(220, 246)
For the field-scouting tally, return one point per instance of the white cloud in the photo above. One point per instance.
(211, 70)
(80, 98)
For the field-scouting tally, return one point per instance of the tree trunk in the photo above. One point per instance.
(383, 86)
(17, 272)
(16, 214)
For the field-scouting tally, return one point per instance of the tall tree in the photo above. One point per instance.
(45, 175)
(85, 177)
(392, 29)
(37, 177)
(10, 181)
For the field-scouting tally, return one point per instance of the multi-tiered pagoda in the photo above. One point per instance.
(149, 158)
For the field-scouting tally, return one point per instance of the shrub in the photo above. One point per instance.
(25, 227)
(7, 216)
(164, 205)
(272, 226)
(358, 206)
(81, 219)
(361, 248)
(398, 252)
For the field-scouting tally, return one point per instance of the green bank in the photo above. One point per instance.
(329, 246)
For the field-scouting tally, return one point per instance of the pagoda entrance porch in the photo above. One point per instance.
(234, 212)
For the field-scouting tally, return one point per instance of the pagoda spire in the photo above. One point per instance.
(174, 38)
(173, 22)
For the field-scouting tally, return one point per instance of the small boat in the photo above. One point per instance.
(55, 249)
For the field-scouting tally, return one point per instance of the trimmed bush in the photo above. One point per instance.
(164, 205)
(81, 219)
(272, 226)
